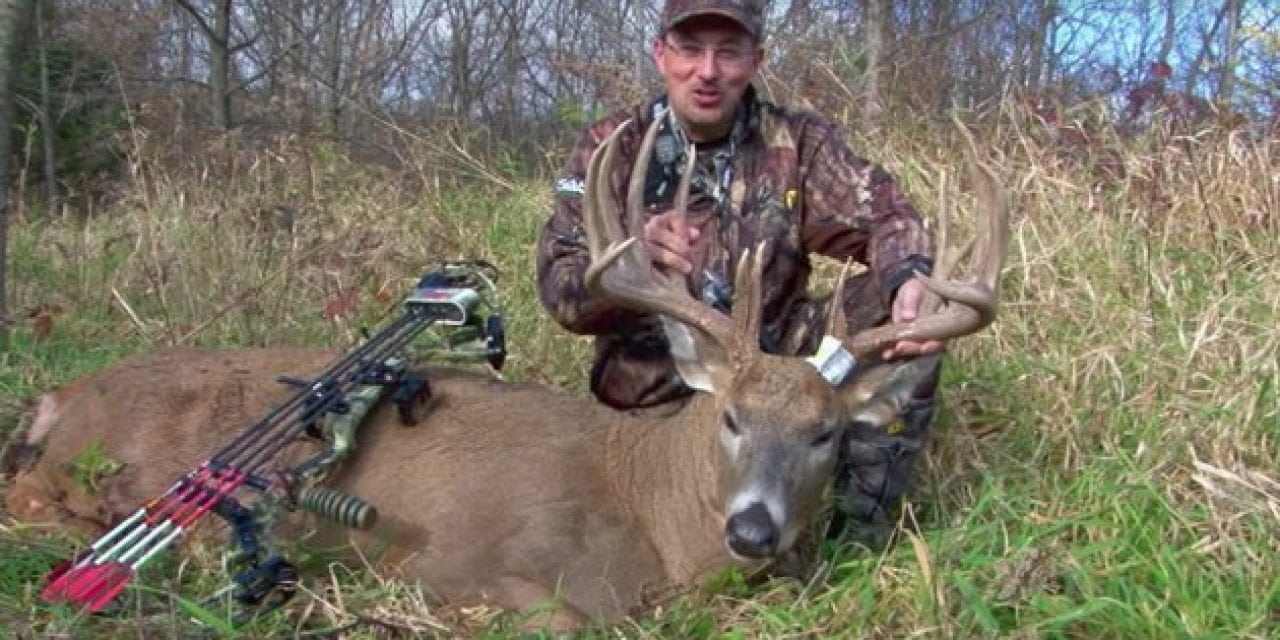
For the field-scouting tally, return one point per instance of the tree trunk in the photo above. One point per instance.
(941, 47)
(875, 22)
(461, 27)
(13, 15)
(220, 64)
(1046, 12)
(640, 44)
(1170, 29)
(46, 118)
(511, 19)
(219, 36)
(336, 17)
(1193, 73)
(1227, 73)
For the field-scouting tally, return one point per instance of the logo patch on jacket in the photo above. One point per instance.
(570, 188)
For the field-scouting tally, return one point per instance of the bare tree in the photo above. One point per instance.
(46, 114)
(1206, 45)
(14, 15)
(1169, 33)
(877, 34)
(1046, 13)
(1230, 46)
(507, 70)
(334, 56)
(217, 31)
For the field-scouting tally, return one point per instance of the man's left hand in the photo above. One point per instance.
(906, 306)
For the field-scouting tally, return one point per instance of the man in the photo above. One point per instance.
(762, 172)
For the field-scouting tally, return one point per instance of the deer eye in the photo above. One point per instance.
(731, 424)
(823, 439)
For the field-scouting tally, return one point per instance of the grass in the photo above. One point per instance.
(1104, 465)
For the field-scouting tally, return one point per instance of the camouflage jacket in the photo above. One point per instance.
(792, 181)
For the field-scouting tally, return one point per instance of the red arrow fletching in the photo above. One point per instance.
(94, 584)
(113, 589)
(88, 589)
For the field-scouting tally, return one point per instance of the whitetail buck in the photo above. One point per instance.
(517, 495)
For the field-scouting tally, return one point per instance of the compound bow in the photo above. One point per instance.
(458, 298)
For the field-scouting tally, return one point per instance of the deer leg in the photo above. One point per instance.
(540, 607)
(31, 503)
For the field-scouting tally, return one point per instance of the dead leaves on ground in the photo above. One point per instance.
(42, 318)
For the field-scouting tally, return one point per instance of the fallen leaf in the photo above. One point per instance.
(42, 326)
(42, 319)
(342, 306)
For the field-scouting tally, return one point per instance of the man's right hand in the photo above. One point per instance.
(670, 238)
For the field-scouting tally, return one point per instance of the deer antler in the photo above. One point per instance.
(621, 269)
(970, 306)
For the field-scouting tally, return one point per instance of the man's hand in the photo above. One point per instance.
(669, 239)
(906, 306)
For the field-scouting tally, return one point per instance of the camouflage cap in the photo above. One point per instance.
(747, 13)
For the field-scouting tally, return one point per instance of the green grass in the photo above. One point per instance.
(1104, 465)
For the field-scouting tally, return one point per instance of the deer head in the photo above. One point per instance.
(779, 421)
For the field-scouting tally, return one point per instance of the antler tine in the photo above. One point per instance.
(603, 231)
(991, 244)
(746, 305)
(946, 260)
(682, 191)
(621, 269)
(837, 321)
(990, 249)
(970, 305)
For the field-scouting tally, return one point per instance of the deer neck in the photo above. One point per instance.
(668, 470)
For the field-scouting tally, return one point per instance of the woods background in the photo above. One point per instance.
(502, 86)
(242, 172)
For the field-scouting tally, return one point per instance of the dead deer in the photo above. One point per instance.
(520, 495)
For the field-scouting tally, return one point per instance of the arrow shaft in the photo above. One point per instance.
(100, 582)
(118, 530)
(186, 489)
(144, 543)
(161, 546)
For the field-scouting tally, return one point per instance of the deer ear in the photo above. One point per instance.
(702, 364)
(877, 394)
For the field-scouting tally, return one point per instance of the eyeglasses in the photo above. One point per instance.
(691, 53)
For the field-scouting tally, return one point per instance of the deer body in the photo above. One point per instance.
(508, 494)
(518, 495)
(560, 497)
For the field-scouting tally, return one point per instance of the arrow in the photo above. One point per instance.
(98, 578)
(128, 530)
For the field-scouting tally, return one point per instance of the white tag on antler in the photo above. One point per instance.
(833, 361)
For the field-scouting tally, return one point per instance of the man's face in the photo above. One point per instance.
(706, 63)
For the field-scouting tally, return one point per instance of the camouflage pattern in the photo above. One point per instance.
(340, 430)
(795, 184)
(875, 466)
(748, 13)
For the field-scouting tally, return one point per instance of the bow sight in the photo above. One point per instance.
(456, 300)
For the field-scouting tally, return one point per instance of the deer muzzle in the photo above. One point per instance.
(751, 533)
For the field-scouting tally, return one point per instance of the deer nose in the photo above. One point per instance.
(751, 532)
